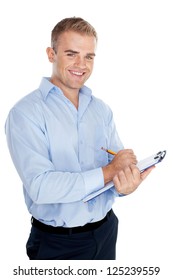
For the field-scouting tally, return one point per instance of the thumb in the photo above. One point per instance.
(147, 172)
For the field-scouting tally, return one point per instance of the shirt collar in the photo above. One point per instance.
(47, 87)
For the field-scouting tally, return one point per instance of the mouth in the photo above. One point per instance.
(76, 73)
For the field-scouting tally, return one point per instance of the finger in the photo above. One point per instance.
(116, 182)
(146, 172)
(119, 181)
(135, 172)
(132, 174)
(128, 155)
(127, 180)
(132, 156)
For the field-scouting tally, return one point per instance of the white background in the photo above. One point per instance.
(133, 74)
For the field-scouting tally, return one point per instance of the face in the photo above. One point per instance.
(73, 60)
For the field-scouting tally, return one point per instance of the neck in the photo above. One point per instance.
(70, 93)
(73, 97)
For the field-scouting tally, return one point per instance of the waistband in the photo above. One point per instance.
(63, 230)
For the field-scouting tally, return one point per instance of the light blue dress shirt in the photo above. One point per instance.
(56, 150)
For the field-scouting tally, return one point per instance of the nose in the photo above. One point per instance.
(80, 62)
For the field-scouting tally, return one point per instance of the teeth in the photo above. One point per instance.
(77, 73)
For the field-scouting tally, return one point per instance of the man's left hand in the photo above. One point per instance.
(128, 179)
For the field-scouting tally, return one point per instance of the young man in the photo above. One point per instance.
(55, 135)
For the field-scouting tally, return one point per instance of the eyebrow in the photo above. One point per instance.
(75, 52)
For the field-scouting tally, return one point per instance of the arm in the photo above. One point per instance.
(30, 151)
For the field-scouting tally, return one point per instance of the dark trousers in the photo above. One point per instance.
(98, 244)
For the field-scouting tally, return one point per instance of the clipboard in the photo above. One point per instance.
(142, 165)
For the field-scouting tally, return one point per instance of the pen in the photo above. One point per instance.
(109, 151)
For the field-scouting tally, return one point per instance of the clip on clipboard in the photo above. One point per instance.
(150, 161)
(142, 165)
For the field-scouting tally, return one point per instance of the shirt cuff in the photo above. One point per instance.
(94, 180)
(116, 193)
(121, 194)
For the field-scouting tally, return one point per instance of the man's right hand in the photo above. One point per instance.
(122, 159)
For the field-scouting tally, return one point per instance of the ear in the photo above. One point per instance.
(51, 54)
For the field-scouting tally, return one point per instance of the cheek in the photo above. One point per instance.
(59, 67)
(90, 67)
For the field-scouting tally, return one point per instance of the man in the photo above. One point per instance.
(55, 135)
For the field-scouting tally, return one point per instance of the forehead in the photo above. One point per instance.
(76, 41)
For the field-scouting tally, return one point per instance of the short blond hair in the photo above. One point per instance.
(76, 24)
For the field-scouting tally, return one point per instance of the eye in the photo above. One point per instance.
(89, 57)
(71, 54)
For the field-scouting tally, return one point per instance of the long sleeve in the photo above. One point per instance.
(30, 151)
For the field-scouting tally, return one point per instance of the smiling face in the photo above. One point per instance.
(73, 60)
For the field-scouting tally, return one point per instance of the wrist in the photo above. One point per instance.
(108, 173)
